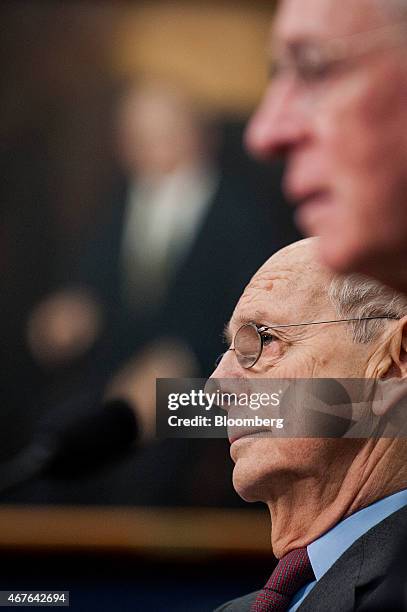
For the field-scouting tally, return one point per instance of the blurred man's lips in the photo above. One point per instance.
(302, 191)
(305, 197)
(311, 208)
(310, 196)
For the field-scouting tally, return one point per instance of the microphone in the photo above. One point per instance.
(80, 437)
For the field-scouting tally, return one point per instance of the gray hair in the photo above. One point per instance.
(357, 296)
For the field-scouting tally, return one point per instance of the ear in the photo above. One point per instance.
(392, 372)
(394, 364)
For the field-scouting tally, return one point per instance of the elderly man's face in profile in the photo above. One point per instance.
(337, 109)
(291, 287)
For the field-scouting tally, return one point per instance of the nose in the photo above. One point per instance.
(228, 378)
(279, 123)
(228, 367)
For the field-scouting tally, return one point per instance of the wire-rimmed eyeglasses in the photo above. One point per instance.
(311, 62)
(249, 339)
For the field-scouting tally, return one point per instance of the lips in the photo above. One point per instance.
(301, 186)
(301, 195)
(311, 202)
(311, 212)
(253, 433)
(235, 432)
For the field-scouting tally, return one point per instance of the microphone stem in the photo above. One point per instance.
(26, 465)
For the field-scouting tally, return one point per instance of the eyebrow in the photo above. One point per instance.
(259, 318)
(227, 334)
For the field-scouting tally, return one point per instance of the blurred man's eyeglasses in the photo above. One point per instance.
(250, 339)
(310, 63)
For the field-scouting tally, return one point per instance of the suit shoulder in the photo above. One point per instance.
(382, 542)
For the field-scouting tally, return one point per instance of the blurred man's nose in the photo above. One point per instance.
(278, 124)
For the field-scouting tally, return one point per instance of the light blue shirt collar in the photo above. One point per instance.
(325, 551)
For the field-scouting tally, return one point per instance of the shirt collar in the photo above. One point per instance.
(327, 549)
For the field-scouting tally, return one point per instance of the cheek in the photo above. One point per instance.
(298, 362)
(361, 124)
(336, 359)
(338, 356)
(364, 147)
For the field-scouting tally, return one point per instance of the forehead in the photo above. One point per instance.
(287, 289)
(324, 19)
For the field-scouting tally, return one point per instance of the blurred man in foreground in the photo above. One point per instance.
(336, 108)
(337, 505)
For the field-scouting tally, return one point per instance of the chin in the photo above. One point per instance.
(258, 461)
(251, 480)
(341, 255)
(246, 487)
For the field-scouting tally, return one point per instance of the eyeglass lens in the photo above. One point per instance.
(248, 345)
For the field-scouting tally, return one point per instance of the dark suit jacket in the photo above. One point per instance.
(358, 580)
(209, 281)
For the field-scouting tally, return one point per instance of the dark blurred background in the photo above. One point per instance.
(131, 221)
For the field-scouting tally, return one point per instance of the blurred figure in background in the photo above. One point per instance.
(150, 267)
(150, 297)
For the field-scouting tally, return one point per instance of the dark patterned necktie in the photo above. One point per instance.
(292, 572)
